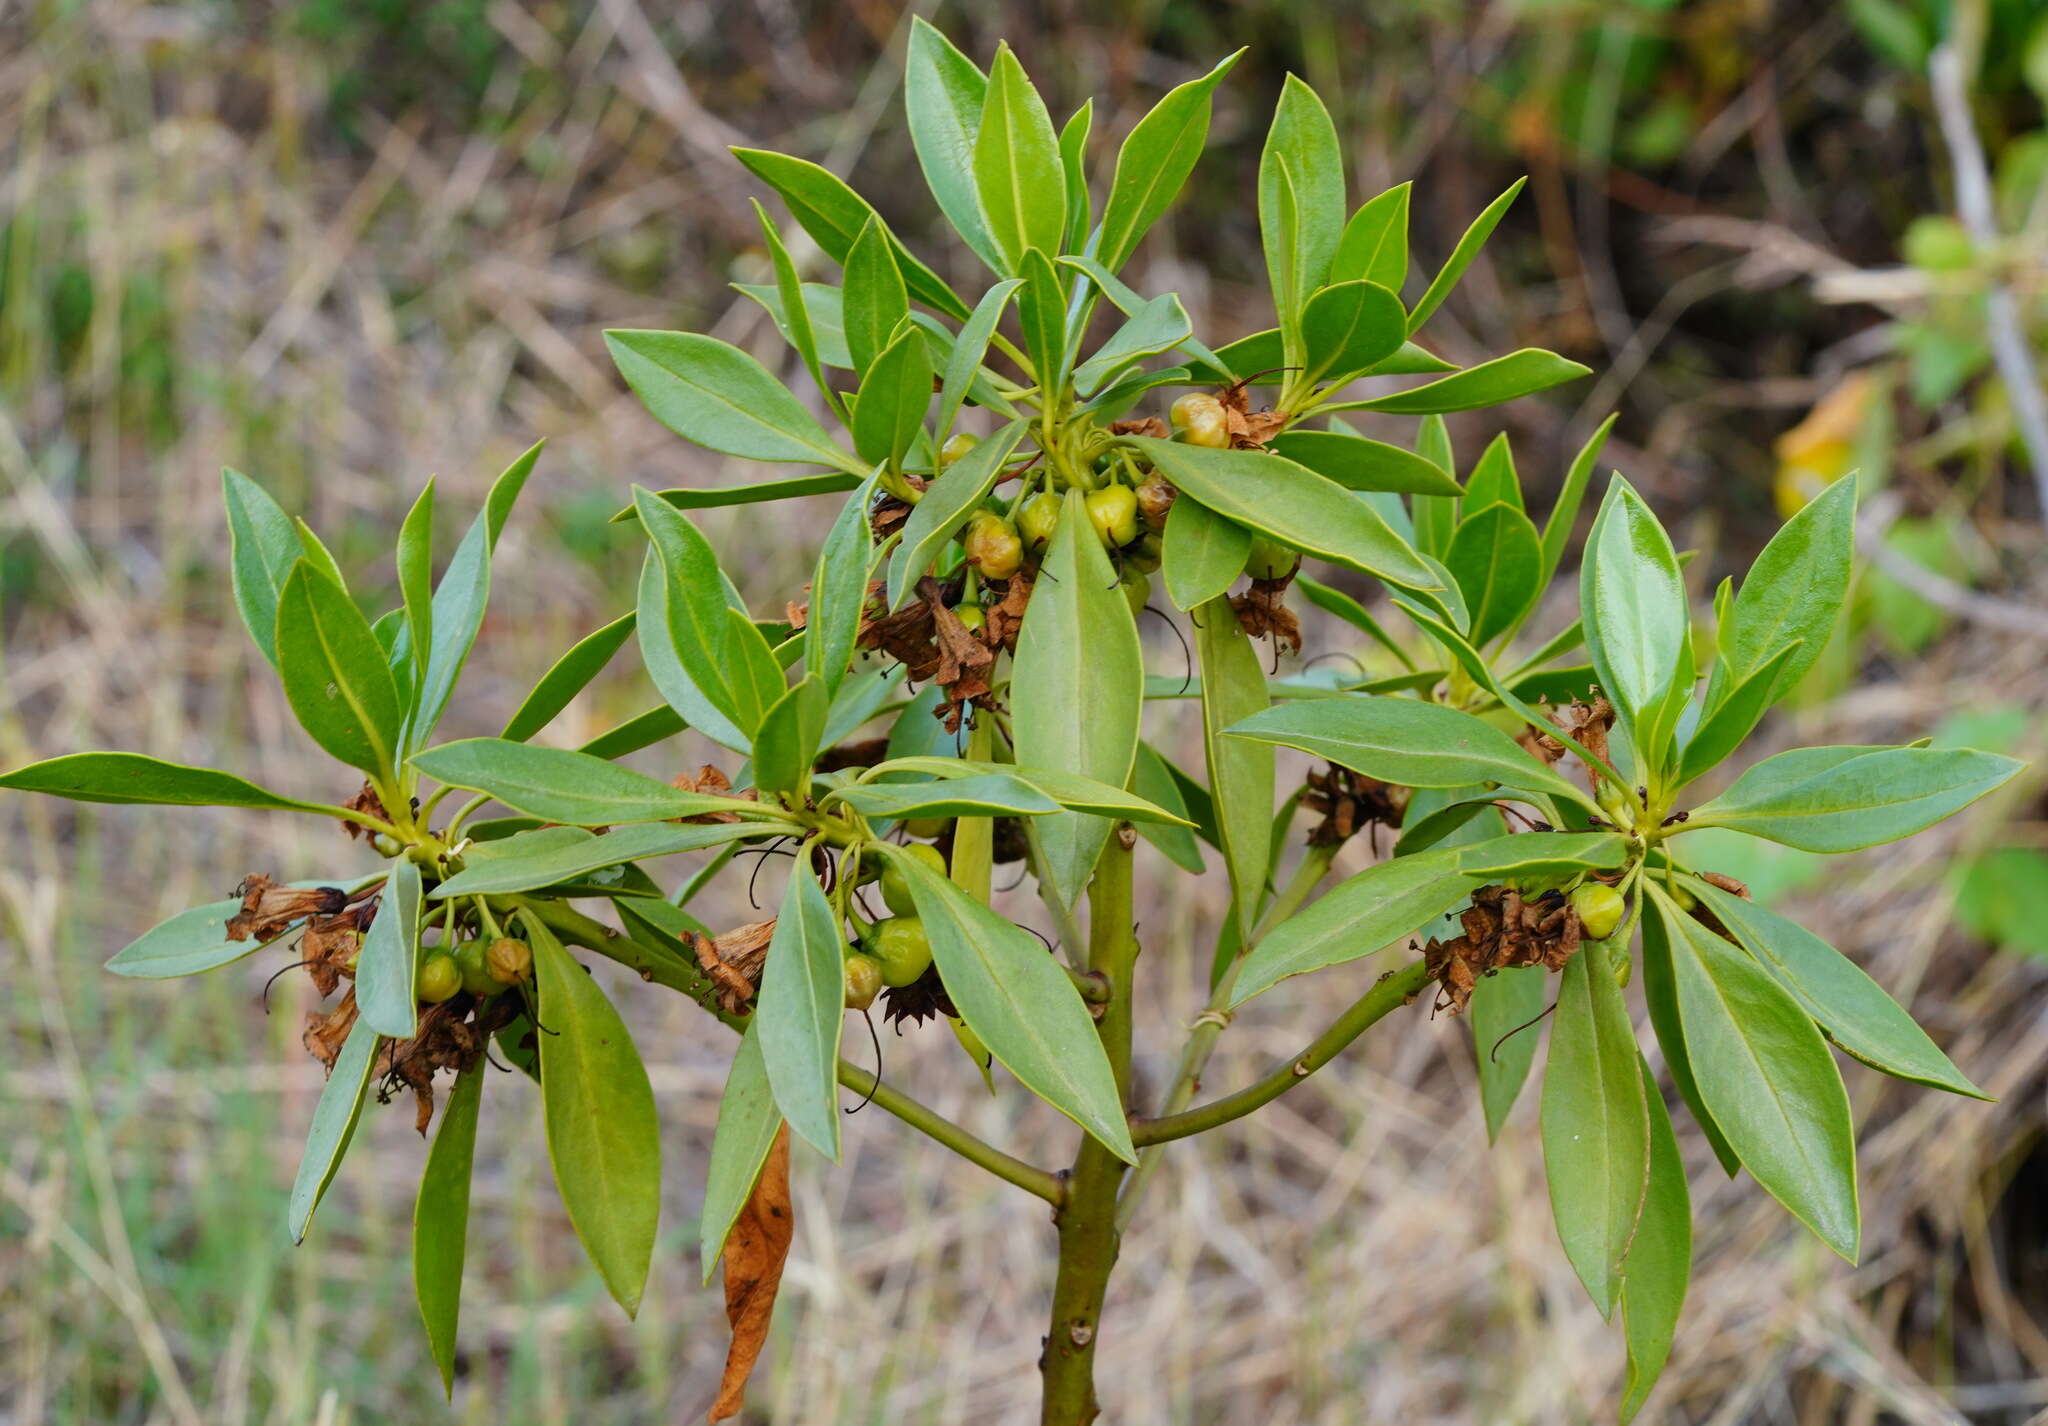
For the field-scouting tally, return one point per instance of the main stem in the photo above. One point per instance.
(1088, 1230)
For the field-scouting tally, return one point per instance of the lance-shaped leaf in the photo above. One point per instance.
(1473, 239)
(963, 363)
(1542, 854)
(416, 576)
(1407, 742)
(1068, 789)
(1849, 1006)
(440, 1220)
(1360, 463)
(1633, 600)
(726, 659)
(1733, 715)
(1074, 168)
(1767, 1078)
(571, 674)
(335, 675)
(1659, 1262)
(1291, 503)
(1355, 918)
(987, 795)
(1496, 557)
(1017, 170)
(1564, 511)
(558, 785)
(1660, 995)
(873, 300)
(817, 315)
(748, 1122)
(943, 92)
(1153, 778)
(1159, 326)
(1015, 996)
(1076, 690)
(133, 778)
(1596, 1125)
(894, 396)
(663, 640)
(793, 488)
(185, 944)
(604, 1138)
(792, 731)
(1504, 1039)
(1154, 162)
(1493, 479)
(1202, 554)
(1240, 770)
(1843, 799)
(713, 393)
(334, 1124)
(785, 300)
(1350, 327)
(945, 507)
(1041, 312)
(839, 592)
(527, 862)
(390, 955)
(802, 1007)
(1520, 373)
(1374, 245)
(1301, 198)
(1791, 597)
(263, 545)
(642, 730)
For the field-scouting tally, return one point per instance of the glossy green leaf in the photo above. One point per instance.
(416, 575)
(263, 546)
(1503, 1039)
(643, 730)
(1017, 169)
(604, 1137)
(1070, 790)
(1469, 244)
(1791, 597)
(1733, 715)
(833, 214)
(964, 361)
(187, 944)
(943, 92)
(1435, 517)
(748, 1122)
(1301, 198)
(792, 731)
(1154, 162)
(662, 645)
(1374, 244)
(390, 954)
(894, 397)
(1564, 511)
(1350, 327)
(1496, 556)
(1849, 1006)
(758, 493)
(1633, 600)
(1493, 479)
(571, 674)
(714, 394)
(563, 786)
(1009, 988)
(839, 592)
(1291, 503)
(986, 795)
(1660, 995)
(1541, 854)
(334, 1124)
(817, 314)
(1159, 326)
(1202, 554)
(1407, 742)
(1659, 1262)
(1337, 602)
(726, 661)
(335, 675)
(1596, 1125)
(526, 865)
(1152, 778)
(1240, 771)
(785, 301)
(132, 778)
(1076, 691)
(802, 1007)
(1042, 313)
(945, 507)
(1520, 373)
(873, 299)
(1843, 799)
(440, 1220)
(1767, 1078)
(1355, 918)
(1360, 463)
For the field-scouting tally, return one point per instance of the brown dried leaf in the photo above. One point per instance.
(754, 1255)
(1350, 802)
(1140, 426)
(734, 961)
(1501, 930)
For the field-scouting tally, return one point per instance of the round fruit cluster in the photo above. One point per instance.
(484, 969)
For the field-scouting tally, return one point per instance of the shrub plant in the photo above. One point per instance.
(1016, 491)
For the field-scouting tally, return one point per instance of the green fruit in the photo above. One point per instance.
(1198, 419)
(1113, 510)
(438, 979)
(510, 961)
(1270, 560)
(900, 944)
(1037, 518)
(385, 845)
(993, 547)
(476, 973)
(1616, 803)
(956, 447)
(1600, 909)
(896, 888)
(1144, 555)
(863, 980)
(1137, 590)
(971, 616)
(929, 828)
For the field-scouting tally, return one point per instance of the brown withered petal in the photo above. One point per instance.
(1262, 610)
(370, 805)
(710, 780)
(734, 961)
(1501, 931)
(326, 1030)
(755, 1251)
(1350, 802)
(268, 909)
(1140, 426)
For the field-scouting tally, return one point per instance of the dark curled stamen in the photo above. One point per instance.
(1308, 664)
(296, 965)
(875, 1087)
(1187, 655)
(1494, 1053)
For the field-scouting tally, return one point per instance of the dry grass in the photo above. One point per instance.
(343, 323)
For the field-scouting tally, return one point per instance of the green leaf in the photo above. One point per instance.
(1519, 373)
(335, 675)
(1154, 162)
(524, 865)
(816, 314)
(894, 397)
(945, 507)
(1076, 691)
(1348, 328)
(263, 546)
(1359, 463)
(1503, 1039)
(571, 674)
(1074, 167)
(1202, 554)
(1153, 780)
(643, 730)
(1070, 790)
(1240, 771)
(801, 1010)
(1009, 988)
(1849, 1006)
(334, 1124)
(1660, 995)
(1596, 1125)
(1461, 256)
(1355, 918)
(785, 301)
(1767, 1078)
(1791, 598)
(2002, 897)
(943, 92)
(1496, 557)
(1374, 244)
(1542, 854)
(1557, 530)
(873, 300)
(792, 730)
(1017, 168)
(988, 795)
(1843, 799)
(416, 575)
(1041, 312)
(1493, 479)
(1337, 602)
(188, 943)
(1633, 600)
(964, 362)
(747, 1125)
(833, 214)
(562, 786)
(714, 394)
(1733, 715)
(390, 956)
(1435, 518)
(1659, 1262)
(1291, 503)
(755, 494)
(1407, 742)
(1159, 326)
(839, 592)
(440, 1220)
(132, 778)
(1299, 237)
(604, 1137)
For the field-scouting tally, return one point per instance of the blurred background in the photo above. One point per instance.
(348, 244)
